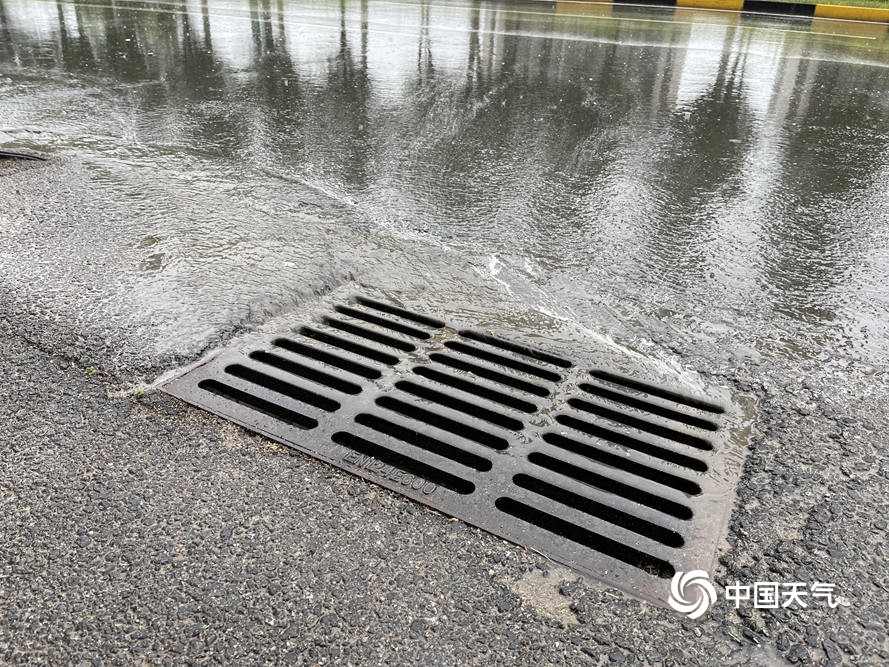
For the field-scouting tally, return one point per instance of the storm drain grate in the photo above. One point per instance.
(622, 480)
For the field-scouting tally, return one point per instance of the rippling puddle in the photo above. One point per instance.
(684, 176)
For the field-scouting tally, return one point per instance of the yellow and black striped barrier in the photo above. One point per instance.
(842, 12)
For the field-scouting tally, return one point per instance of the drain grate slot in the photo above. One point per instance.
(369, 334)
(641, 424)
(618, 550)
(383, 322)
(402, 462)
(349, 346)
(653, 408)
(632, 523)
(443, 423)
(610, 485)
(518, 349)
(259, 404)
(625, 480)
(622, 463)
(490, 374)
(306, 372)
(424, 442)
(515, 364)
(633, 443)
(430, 322)
(476, 389)
(657, 391)
(460, 405)
(327, 358)
(283, 388)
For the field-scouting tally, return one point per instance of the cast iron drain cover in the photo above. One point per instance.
(622, 480)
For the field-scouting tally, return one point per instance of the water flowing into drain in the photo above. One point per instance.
(622, 479)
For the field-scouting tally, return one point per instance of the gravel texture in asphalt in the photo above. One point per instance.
(189, 200)
(135, 527)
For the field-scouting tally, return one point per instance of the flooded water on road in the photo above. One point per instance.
(694, 178)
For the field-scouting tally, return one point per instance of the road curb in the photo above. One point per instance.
(841, 12)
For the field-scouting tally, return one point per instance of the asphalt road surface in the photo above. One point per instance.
(700, 193)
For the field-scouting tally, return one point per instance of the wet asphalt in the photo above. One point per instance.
(137, 529)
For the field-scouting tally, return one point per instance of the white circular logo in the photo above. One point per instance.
(692, 584)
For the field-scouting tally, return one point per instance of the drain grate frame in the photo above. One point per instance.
(623, 480)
